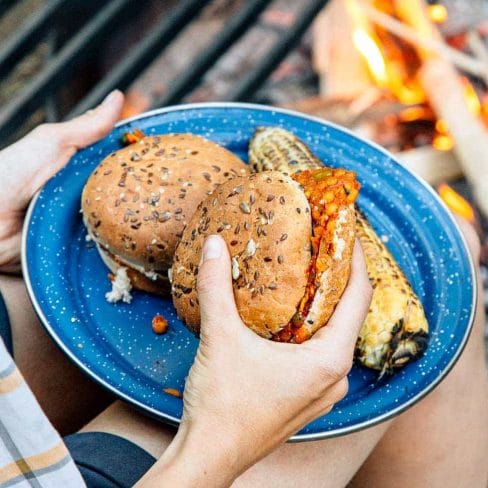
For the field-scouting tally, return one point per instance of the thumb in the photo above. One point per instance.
(31, 161)
(93, 124)
(214, 286)
(46, 149)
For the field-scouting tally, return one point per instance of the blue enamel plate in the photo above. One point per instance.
(114, 343)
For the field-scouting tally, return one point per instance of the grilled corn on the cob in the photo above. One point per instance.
(395, 330)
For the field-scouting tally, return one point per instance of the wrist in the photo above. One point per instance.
(195, 459)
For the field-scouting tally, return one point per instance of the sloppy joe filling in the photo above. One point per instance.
(327, 190)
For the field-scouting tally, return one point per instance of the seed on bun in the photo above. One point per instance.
(138, 200)
(290, 241)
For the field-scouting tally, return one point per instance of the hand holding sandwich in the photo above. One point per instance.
(245, 395)
(30, 162)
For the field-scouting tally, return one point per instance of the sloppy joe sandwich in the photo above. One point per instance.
(290, 241)
(138, 200)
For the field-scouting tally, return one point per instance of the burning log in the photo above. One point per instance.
(446, 95)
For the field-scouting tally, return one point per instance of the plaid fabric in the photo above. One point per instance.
(31, 452)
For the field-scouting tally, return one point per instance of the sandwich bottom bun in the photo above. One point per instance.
(291, 248)
(158, 284)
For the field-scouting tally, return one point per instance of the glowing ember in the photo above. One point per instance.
(441, 126)
(410, 114)
(471, 97)
(437, 13)
(443, 142)
(456, 202)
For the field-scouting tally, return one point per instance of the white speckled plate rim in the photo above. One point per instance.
(300, 437)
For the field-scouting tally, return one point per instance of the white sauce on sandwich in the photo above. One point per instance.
(339, 243)
(121, 287)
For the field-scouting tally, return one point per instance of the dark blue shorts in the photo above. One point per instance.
(5, 331)
(104, 460)
(108, 461)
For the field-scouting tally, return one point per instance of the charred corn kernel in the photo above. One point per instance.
(279, 149)
(395, 330)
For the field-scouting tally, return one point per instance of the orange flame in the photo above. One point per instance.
(388, 74)
(389, 67)
(456, 202)
(368, 47)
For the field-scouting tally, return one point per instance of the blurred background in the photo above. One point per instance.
(411, 75)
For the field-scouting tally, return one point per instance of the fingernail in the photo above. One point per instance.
(212, 248)
(109, 98)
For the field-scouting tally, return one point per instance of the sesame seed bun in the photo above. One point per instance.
(138, 200)
(266, 222)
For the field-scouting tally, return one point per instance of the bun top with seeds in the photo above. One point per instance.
(138, 200)
(290, 243)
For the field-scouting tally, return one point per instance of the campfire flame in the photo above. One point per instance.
(391, 71)
(385, 66)
(369, 49)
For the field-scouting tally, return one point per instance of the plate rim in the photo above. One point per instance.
(297, 437)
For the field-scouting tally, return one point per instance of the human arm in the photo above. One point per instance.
(27, 164)
(245, 395)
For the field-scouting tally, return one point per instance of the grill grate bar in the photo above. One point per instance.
(61, 66)
(243, 89)
(14, 48)
(146, 50)
(5, 5)
(236, 27)
(83, 45)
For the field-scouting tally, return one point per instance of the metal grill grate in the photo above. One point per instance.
(97, 21)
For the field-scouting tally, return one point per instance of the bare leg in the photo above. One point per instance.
(122, 420)
(443, 440)
(66, 395)
(321, 463)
